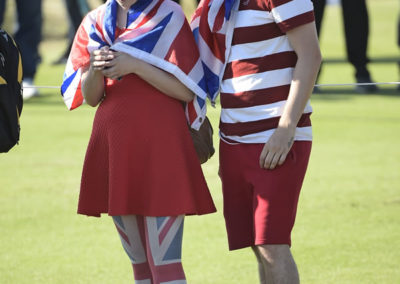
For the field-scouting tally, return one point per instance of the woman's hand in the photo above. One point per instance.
(277, 147)
(100, 58)
(92, 77)
(119, 64)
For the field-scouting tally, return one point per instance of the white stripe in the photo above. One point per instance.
(260, 48)
(291, 9)
(133, 33)
(249, 18)
(87, 25)
(136, 248)
(158, 251)
(254, 113)
(195, 23)
(213, 12)
(168, 36)
(159, 229)
(197, 71)
(302, 134)
(142, 15)
(69, 95)
(174, 282)
(233, 115)
(268, 79)
(212, 62)
(165, 245)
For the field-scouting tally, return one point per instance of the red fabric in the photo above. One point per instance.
(245, 128)
(255, 97)
(135, 166)
(260, 205)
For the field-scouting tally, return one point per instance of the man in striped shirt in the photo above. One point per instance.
(265, 128)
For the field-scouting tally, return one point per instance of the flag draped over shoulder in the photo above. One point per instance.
(157, 32)
(212, 25)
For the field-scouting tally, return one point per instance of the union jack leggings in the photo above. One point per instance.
(154, 246)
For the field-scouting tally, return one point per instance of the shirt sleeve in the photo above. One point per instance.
(289, 14)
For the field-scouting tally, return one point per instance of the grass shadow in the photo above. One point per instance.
(330, 93)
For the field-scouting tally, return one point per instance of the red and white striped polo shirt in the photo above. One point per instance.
(258, 73)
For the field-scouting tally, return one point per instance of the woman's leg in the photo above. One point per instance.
(131, 230)
(164, 246)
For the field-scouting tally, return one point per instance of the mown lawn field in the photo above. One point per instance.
(347, 228)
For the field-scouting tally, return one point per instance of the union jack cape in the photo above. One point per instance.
(157, 32)
(212, 25)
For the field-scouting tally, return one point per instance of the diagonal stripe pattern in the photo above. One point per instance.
(154, 246)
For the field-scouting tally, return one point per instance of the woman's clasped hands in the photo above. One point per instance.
(112, 64)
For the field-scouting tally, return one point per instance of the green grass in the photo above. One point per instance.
(347, 229)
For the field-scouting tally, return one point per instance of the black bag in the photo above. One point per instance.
(10, 92)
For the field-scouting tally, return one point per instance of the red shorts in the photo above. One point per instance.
(260, 205)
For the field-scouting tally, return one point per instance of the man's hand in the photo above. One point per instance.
(276, 149)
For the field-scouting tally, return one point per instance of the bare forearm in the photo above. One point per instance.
(92, 86)
(305, 44)
(304, 76)
(165, 82)
(122, 64)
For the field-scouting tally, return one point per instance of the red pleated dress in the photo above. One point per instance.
(141, 159)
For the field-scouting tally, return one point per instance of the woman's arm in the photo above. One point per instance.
(123, 64)
(304, 41)
(93, 78)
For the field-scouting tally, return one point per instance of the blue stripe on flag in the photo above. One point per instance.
(200, 101)
(110, 19)
(175, 248)
(228, 8)
(136, 9)
(93, 35)
(212, 82)
(129, 254)
(67, 82)
(150, 39)
(160, 221)
(203, 84)
(196, 35)
(118, 219)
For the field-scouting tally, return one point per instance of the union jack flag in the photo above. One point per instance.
(157, 32)
(212, 25)
(154, 246)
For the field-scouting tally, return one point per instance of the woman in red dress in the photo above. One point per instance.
(141, 166)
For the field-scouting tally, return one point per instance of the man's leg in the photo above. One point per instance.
(29, 34)
(356, 27)
(279, 265)
(2, 11)
(28, 37)
(262, 273)
(319, 8)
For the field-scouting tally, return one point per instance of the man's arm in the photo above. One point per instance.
(304, 41)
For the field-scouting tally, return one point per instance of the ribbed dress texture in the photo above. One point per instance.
(140, 158)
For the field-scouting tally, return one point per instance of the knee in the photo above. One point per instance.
(273, 254)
